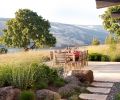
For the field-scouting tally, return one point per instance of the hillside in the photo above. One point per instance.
(77, 34)
(67, 34)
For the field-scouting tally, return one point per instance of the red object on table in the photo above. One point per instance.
(76, 53)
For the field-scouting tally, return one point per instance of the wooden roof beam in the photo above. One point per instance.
(106, 3)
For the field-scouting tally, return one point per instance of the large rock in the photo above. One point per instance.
(9, 93)
(70, 89)
(72, 80)
(84, 75)
(45, 94)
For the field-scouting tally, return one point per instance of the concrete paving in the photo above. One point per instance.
(100, 84)
(99, 90)
(92, 96)
(105, 71)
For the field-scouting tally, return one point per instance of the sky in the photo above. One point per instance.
(81, 12)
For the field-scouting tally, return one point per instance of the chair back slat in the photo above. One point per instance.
(60, 58)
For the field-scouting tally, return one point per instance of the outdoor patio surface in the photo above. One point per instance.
(105, 71)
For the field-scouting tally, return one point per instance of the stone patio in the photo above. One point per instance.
(101, 84)
(93, 96)
(99, 90)
(105, 74)
(105, 71)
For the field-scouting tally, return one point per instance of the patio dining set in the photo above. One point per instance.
(69, 58)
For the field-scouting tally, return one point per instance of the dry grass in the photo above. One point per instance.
(35, 56)
(104, 49)
(23, 57)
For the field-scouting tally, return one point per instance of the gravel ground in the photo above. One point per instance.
(115, 90)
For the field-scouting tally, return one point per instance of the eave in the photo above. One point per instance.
(106, 3)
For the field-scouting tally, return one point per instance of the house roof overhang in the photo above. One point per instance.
(106, 3)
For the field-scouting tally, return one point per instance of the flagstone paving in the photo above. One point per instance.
(101, 84)
(105, 74)
(93, 96)
(99, 90)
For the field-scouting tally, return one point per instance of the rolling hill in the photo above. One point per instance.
(72, 35)
(67, 34)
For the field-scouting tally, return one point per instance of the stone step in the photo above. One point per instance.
(92, 96)
(101, 84)
(99, 90)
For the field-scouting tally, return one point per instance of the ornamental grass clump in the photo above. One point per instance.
(29, 76)
(5, 76)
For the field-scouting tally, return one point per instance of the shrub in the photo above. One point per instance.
(60, 71)
(59, 82)
(3, 50)
(53, 75)
(27, 95)
(105, 58)
(41, 85)
(98, 57)
(94, 57)
(116, 58)
(117, 97)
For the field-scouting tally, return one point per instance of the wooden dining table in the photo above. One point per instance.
(73, 56)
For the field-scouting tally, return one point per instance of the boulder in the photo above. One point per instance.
(45, 94)
(70, 89)
(9, 93)
(72, 80)
(84, 75)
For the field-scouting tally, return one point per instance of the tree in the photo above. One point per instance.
(111, 24)
(95, 41)
(27, 30)
(110, 39)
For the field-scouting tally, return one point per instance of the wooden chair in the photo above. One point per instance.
(84, 58)
(61, 59)
(51, 55)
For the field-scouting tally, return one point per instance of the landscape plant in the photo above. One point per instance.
(117, 96)
(95, 41)
(116, 58)
(98, 57)
(3, 50)
(27, 95)
(29, 76)
(27, 30)
(110, 39)
(110, 23)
